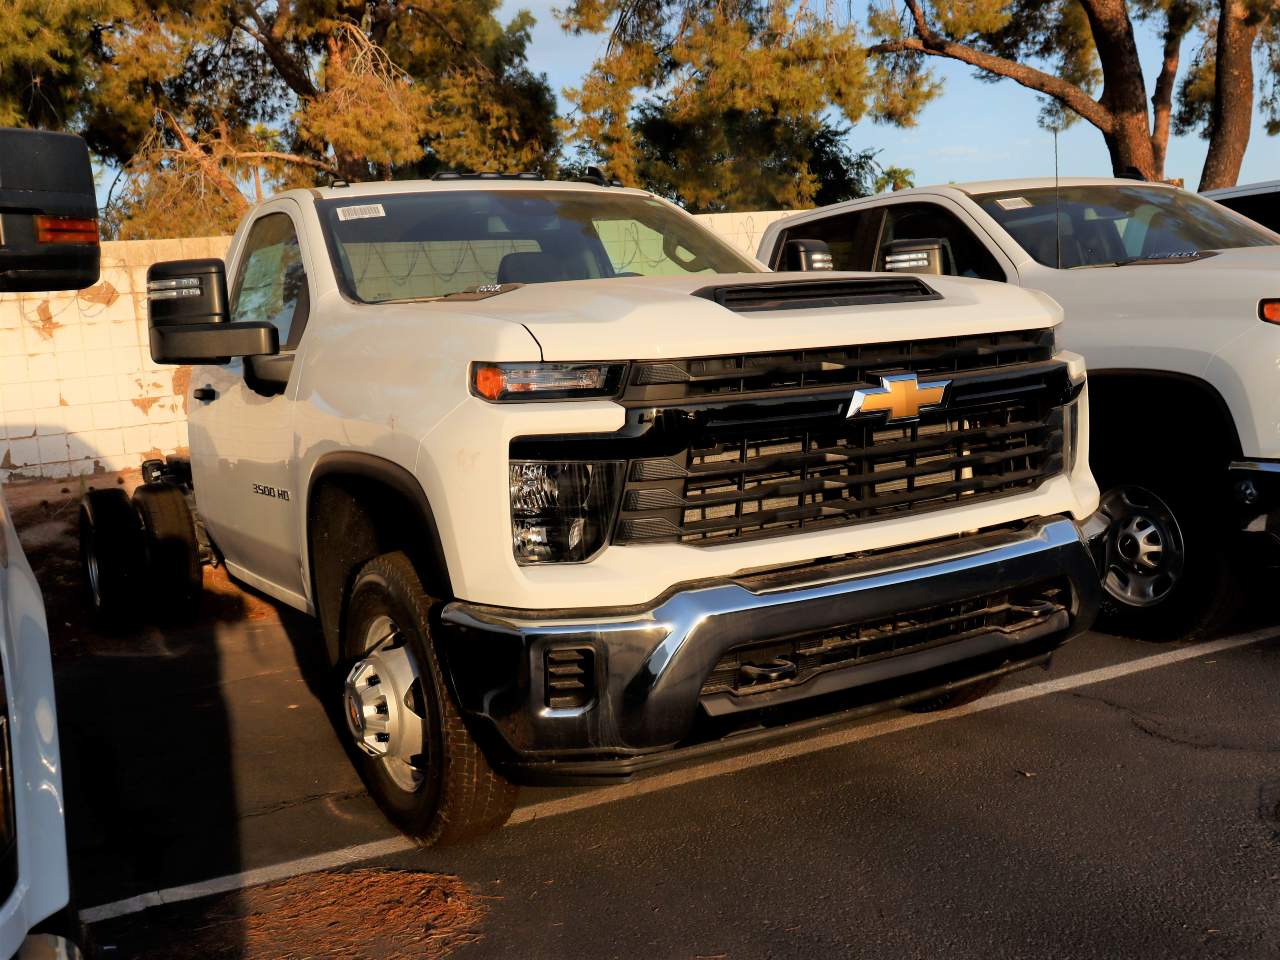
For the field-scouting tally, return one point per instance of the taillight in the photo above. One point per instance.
(1269, 310)
(66, 230)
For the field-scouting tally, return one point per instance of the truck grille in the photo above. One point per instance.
(757, 668)
(800, 372)
(734, 485)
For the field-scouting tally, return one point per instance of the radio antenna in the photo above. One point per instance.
(1057, 200)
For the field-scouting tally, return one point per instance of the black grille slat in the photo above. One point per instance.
(805, 371)
(783, 462)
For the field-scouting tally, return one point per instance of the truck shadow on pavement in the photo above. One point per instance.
(145, 735)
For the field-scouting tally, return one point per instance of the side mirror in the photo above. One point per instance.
(806, 255)
(915, 256)
(48, 212)
(188, 315)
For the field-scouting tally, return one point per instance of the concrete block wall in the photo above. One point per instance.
(743, 230)
(78, 391)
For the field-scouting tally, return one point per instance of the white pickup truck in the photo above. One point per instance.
(1173, 301)
(576, 489)
(48, 241)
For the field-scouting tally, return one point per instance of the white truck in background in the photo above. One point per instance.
(574, 489)
(48, 241)
(1174, 301)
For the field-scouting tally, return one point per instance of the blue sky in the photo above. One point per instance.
(974, 131)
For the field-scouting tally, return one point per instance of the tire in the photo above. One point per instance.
(112, 557)
(174, 572)
(1167, 571)
(413, 750)
(955, 698)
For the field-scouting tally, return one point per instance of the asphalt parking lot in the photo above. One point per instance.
(1124, 803)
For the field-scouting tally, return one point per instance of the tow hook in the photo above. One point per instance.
(771, 671)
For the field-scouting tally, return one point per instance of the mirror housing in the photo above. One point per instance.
(806, 255)
(189, 317)
(48, 213)
(915, 256)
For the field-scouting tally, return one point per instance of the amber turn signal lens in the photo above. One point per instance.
(490, 382)
(66, 230)
(1269, 310)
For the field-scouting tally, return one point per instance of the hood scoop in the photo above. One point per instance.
(811, 294)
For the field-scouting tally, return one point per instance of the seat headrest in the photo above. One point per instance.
(530, 267)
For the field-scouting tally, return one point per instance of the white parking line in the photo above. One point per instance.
(674, 778)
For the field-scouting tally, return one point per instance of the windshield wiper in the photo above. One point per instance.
(1185, 256)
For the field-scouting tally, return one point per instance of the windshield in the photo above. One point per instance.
(1118, 223)
(416, 246)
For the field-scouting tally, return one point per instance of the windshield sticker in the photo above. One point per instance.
(367, 211)
(1013, 203)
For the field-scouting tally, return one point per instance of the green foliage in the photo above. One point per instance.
(721, 104)
(212, 99)
(747, 160)
(895, 178)
(44, 52)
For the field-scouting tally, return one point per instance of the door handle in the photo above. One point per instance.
(205, 394)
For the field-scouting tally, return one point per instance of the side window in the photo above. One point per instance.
(1263, 208)
(851, 236)
(928, 221)
(271, 283)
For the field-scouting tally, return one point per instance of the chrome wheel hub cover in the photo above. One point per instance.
(1145, 550)
(381, 702)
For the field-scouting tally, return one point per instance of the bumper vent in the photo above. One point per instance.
(570, 674)
(758, 668)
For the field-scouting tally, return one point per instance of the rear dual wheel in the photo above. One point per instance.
(412, 748)
(139, 553)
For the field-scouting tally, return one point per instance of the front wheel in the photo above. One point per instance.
(414, 752)
(1167, 573)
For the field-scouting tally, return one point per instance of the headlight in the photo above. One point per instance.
(522, 382)
(561, 512)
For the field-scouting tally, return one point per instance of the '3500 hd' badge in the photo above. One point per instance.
(276, 493)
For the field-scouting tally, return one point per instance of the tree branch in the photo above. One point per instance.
(208, 165)
(1068, 94)
(293, 73)
(273, 155)
(1178, 21)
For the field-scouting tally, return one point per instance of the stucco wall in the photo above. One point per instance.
(78, 391)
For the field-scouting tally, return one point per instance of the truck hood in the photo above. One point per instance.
(639, 318)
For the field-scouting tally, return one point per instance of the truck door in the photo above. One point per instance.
(242, 422)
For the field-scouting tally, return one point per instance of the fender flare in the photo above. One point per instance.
(377, 470)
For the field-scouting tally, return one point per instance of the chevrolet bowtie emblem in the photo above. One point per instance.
(900, 395)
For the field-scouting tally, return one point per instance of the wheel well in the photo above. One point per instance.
(358, 508)
(1133, 413)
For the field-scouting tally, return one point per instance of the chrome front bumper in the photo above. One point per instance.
(648, 668)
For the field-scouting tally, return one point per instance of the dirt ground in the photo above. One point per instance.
(327, 916)
(46, 515)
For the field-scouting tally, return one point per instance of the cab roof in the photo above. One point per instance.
(382, 188)
(980, 187)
